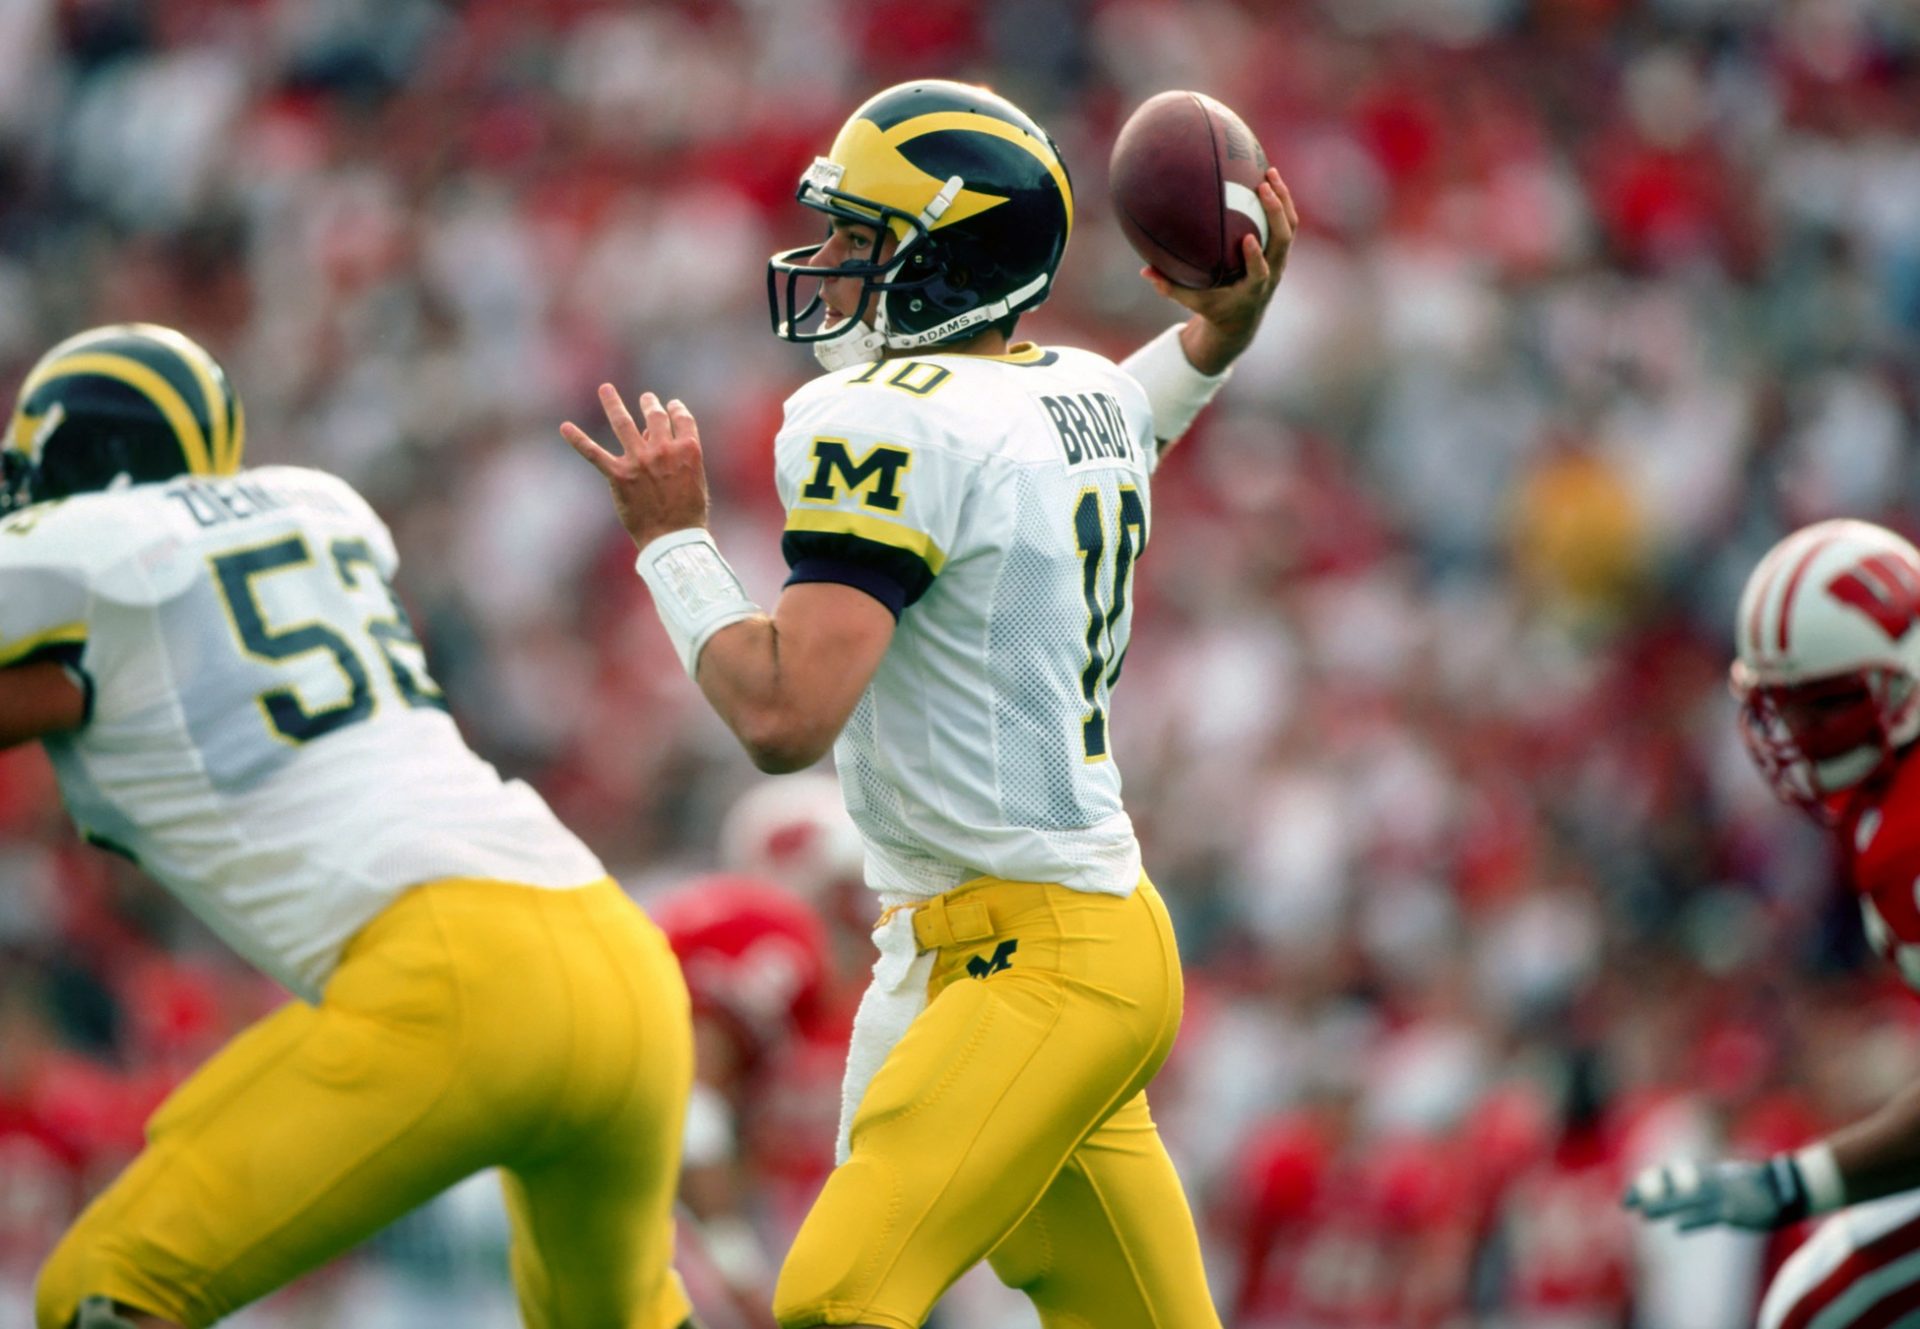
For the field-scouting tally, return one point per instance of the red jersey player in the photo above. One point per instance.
(756, 960)
(1828, 678)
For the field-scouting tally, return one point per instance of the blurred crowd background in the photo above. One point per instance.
(1425, 727)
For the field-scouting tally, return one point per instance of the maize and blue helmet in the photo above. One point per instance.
(979, 205)
(125, 403)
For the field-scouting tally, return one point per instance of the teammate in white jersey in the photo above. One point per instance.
(963, 518)
(232, 697)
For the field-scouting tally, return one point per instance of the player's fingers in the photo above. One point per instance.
(684, 426)
(601, 460)
(1286, 198)
(1283, 229)
(1672, 1189)
(1649, 1191)
(1279, 228)
(1258, 268)
(654, 412)
(1278, 223)
(620, 418)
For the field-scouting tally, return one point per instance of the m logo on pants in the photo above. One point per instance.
(1002, 959)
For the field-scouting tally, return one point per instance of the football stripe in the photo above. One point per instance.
(1244, 201)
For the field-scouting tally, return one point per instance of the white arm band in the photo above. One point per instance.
(1820, 1174)
(1175, 389)
(694, 590)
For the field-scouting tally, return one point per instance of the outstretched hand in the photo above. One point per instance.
(1228, 316)
(1755, 1196)
(658, 479)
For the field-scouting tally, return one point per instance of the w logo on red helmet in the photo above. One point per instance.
(1884, 587)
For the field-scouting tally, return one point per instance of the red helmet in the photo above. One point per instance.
(752, 952)
(1829, 659)
(793, 830)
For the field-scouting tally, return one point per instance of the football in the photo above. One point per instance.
(1183, 179)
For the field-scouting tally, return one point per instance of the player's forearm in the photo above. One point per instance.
(1880, 1155)
(731, 647)
(39, 699)
(785, 683)
(742, 675)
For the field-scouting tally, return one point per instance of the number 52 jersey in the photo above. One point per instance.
(262, 736)
(998, 506)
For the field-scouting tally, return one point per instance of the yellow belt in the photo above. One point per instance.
(940, 922)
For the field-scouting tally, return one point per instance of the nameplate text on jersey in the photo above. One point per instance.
(1090, 425)
(215, 502)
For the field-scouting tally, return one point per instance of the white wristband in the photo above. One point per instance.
(1176, 391)
(694, 590)
(1820, 1174)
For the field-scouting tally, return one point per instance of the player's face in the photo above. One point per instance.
(849, 242)
(1829, 718)
(1817, 739)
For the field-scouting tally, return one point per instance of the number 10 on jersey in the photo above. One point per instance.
(1102, 670)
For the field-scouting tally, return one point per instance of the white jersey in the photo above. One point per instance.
(998, 504)
(262, 735)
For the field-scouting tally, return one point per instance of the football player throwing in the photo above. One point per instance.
(964, 515)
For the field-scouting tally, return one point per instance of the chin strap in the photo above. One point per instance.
(858, 345)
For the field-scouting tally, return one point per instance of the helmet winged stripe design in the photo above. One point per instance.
(977, 201)
(132, 400)
(159, 393)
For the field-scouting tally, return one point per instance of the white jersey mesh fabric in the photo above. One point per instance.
(1016, 489)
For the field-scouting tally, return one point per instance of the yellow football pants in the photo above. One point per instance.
(472, 1024)
(1011, 1123)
